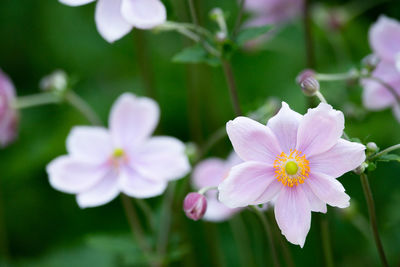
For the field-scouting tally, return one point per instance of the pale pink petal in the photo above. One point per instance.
(343, 157)
(75, 2)
(233, 159)
(161, 158)
(109, 21)
(284, 125)
(101, 193)
(135, 185)
(71, 175)
(209, 172)
(216, 211)
(293, 214)
(328, 189)
(90, 143)
(384, 37)
(375, 95)
(319, 130)
(396, 111)
(132, 120)
(144, 14)
(246, 184)
(253, 141)
(316, 204)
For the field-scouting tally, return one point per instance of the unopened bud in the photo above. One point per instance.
(194, 206)
(370, 62)
(56, 81)
(372, 147)
(310, 86)
(361, 169)
(304, 75)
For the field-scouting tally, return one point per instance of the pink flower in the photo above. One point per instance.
(211, 172)
(102, 162)
(294, 160)
(195, 205)
(116, 18)
(8, 114)
(384, 38)
(273, 11)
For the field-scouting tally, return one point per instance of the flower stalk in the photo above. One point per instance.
(384, 152)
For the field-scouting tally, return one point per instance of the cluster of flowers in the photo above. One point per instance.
(292, 163)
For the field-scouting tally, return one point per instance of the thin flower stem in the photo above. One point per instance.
(268, 231)
(36, 100)
(147, 213)
(193, 13)
(239, 18)
(206, 189)
(326, 242)
(385, 151)
(372, 216)
(230, 79)
(321, 97)
(82, 106)
(310, 57)
(336, 76)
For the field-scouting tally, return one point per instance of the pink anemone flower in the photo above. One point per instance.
(116, 18)
(211, 172)
(294, 160)
(384, 37)
(102, 162)
(8, 114)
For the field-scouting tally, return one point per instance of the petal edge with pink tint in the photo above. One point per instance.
(144, 14)
(134, 185)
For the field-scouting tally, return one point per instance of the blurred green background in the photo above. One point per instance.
(45, 227)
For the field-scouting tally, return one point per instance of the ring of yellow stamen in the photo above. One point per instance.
(291, 169)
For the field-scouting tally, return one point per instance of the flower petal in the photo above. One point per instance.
(144, 14)
(75, 2)
(92, 144)
(209, 172)
(133, 119)
(246, 184)
(284, 125)
(319, 130)
(71, 175)
(109, 21)
(101, 193)
(137, 186)
(328, 189)
(384, 37)
(396, 111)
(216, 211)
(252, 141)
(343, 157)
(316, 204)
(161, 158)
(293, 214)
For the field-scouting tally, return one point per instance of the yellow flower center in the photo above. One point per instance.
(291, 169)
(118, 152)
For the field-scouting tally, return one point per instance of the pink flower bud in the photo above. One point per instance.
(195, 205)
(310, 86)
(8, 114)
(307, 73)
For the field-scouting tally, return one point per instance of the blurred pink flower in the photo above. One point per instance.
(211, 172)
(124, 158)
(116, 18)
(294, 160)
(8, 114)
(195, 205)
(384, 37)
(272, 11)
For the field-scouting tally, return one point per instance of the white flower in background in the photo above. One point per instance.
(116, 18)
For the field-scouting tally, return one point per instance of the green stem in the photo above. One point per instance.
(147, 213)
(336, 77)
(241, 237)
(372, 216)
(230, 80)
(193, 13)
(326, 242)
(36, 100)
(321, 97)
(239, 18)
(268, 231)
(385, 151)
(310, 57)
(77, 102)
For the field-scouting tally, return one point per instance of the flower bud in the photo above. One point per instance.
(361, 169)
(56, 81)
(370, 62)
(8, 114)
(372, 147)
(194, 206)
(304, 75)
(310, 86)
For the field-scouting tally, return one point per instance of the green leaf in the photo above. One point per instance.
(195, 54)
(251, 33)
(389, 157)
